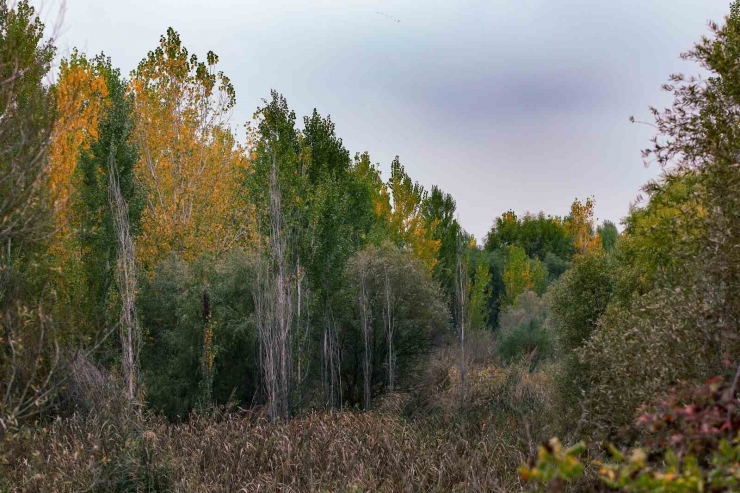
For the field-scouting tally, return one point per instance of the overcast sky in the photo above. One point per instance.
(505, 104)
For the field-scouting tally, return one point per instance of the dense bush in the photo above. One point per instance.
(420, 319)
(524, 330)
(668, 336)
(172, 312)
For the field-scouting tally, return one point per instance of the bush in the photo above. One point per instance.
(694, 446)
(668, 336)
(580, 297)
(529, 338)
(172, 311)
(524, 330)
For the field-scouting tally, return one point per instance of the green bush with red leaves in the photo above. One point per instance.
(691, 443)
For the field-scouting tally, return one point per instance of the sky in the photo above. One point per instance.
(504, 104)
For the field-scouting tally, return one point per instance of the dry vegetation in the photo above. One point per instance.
(407, 444)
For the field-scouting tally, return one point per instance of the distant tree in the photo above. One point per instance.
(439, 213)
(580, 226)
(539, 235)
(517, 275)
(580, 297)
(524, 329)
(408, 227)
(479, 294)
(538, 275)
(609, 235)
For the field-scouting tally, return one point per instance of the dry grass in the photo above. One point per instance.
(394, 448)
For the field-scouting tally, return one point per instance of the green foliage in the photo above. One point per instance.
(278, 143)
(478, 297)
(524, 340)
(580, 297)
(27, 346)
(439, 213)
(609, 235)
(420, 318)
(96, 234)
(577, 302)
(642, 351)
(537, 234)
(555, 266)
(172, 313)
(517, 275)
(538, 275)
(524, 330)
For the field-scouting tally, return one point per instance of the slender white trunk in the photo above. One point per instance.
(365, 319)
(462, 298)
(129, 328)
(389, 327)
(274, 298)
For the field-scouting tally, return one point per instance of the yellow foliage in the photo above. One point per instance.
(190, 163)
(81, 100)
(581, 228)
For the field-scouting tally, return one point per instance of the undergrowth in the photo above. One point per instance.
(392, 448)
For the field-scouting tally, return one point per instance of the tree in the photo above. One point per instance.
(28, 350)
(108, 204)
(479, 294)
(81, 96)
(538, 275)
(28, 120)
(580, 226)
(439, 213)
(679, 323)
(190, 163)
(517, 275)
(524, 328)
(578, 300)
(609, 235)
(277, 184)
(407, 224)
(396, 282)
(538, 234)
(462, 293)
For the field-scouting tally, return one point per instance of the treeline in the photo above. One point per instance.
(147, 249)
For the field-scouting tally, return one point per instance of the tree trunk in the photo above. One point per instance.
(129, 328)
(389, 327)
(364, 314)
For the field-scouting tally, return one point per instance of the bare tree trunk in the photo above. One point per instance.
(274, 308)
(462, 298)
(389, 327)
(129, 328)
(365, 318)
(332, 378)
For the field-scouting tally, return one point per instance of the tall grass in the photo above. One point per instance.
(394, 448)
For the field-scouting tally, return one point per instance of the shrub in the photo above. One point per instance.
(524, 330)
(697, 448)
(668, 336)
